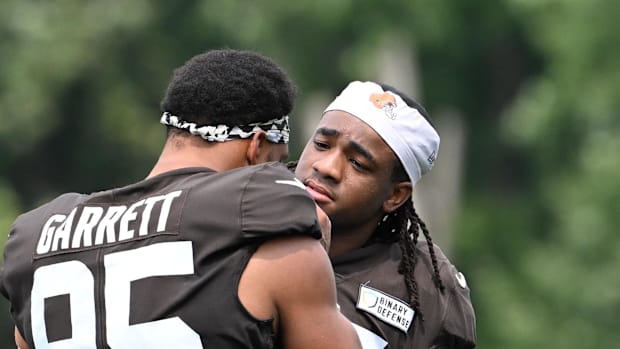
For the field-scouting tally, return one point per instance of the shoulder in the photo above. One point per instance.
(271, 176)
(266, 170)
(62, 204)
(63, 201)
(24, 234)
(450, 275)
(267, 182)
(458, 318)
(275, 202)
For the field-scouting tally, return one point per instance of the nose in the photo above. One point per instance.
(328, 165)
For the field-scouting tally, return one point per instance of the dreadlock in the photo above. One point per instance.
(404, 226)
(291, 166)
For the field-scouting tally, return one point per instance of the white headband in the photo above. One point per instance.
(412, 138)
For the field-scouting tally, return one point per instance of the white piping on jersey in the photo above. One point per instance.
(296, 183)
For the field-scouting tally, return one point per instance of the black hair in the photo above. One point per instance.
(410, 101)
(229, 87)
(404, 224)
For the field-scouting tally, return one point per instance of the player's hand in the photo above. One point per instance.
(326, 228)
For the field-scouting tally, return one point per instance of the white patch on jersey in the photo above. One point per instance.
(386, 308)
(460, 278)
(368, 339)
(296, 183)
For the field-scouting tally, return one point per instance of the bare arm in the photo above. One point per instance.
(301, 289)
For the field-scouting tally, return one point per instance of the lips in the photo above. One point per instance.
(318, 192)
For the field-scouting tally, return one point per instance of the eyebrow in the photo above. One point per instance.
(358, 148)
(362, 151)
(327, 131)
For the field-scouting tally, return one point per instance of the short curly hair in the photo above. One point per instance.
(231, 87)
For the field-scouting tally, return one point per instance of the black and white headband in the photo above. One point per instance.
(277, 129)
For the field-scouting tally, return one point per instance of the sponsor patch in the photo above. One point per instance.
(386, 308)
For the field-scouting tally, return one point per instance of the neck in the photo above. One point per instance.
(192, 151)
(347, 239)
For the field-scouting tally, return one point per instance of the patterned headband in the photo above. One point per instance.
(277, 129)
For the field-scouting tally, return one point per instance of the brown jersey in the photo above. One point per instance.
(372, 294)
(152, 265)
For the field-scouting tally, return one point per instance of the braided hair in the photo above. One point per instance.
(404, 225)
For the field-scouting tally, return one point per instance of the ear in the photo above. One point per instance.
(256, 148)
(401, 192)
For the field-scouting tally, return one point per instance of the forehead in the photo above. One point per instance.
(349, 128)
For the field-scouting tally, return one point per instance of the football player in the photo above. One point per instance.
(369, 149)
(218, 247)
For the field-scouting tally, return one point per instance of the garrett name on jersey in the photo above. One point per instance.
(94, 225)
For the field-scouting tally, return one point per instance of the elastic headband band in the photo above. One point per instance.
(277, 129)
(412, 138)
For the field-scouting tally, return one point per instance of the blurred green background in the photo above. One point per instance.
(526, 95)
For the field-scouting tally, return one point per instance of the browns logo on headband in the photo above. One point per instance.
(412, 138)
(385, 102)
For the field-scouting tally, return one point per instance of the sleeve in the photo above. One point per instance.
(15, 277)
(4, 270)
(2, 288)
(459, 324)
(274, 202)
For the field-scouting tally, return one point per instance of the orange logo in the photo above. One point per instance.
(385, 102)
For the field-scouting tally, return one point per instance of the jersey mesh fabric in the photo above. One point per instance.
(221, 217)
(449, 320)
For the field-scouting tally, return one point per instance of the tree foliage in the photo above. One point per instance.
(536, 81)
